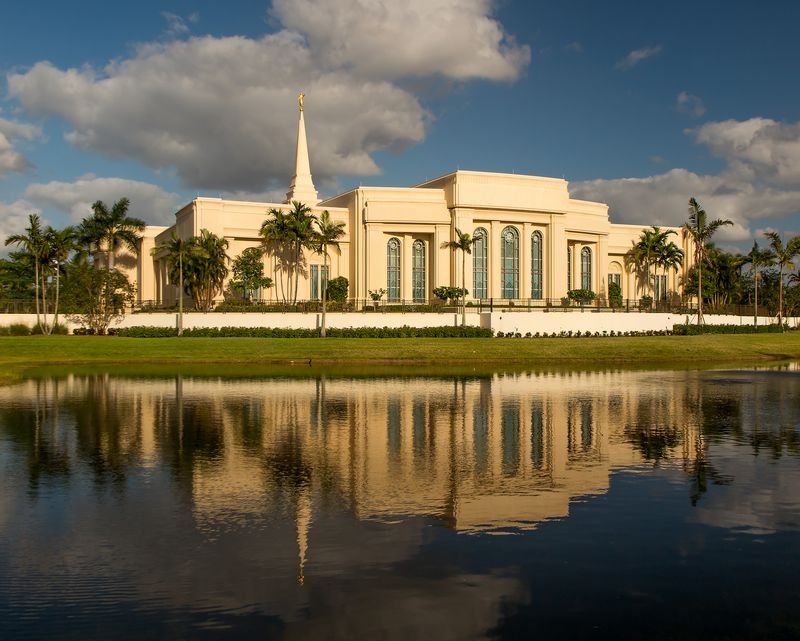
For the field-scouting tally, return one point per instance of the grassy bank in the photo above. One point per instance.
(655, 351)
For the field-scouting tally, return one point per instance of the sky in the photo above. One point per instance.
(637, 104)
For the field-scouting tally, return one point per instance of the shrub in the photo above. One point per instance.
(581, 296)
(449, 293)
(19, 329)
(696, 330)
(614, 295)
(270, 332)
(337, 289)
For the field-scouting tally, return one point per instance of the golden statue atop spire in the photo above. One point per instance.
(300, 98)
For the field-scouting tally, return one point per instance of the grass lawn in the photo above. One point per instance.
(388, 355)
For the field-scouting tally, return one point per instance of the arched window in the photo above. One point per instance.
(393, 269)
(509, 262)
(586, 268)
(480, 264)
(418, 279)
(536, 265)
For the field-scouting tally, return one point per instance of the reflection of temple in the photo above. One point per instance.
(502, 452)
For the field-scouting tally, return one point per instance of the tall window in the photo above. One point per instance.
(418, 271)
(536, 265)
(569, 267)
(393, 270)
(586, 268)
(319, 281)
(480, 264)
(660, 287)
(509, 261)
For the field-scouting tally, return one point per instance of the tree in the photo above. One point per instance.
(670, 257)
(337, 289)
(783, 259)
(700, 231)
(463, 242)
(108, 230)
(248, 272)
(32, 242)
(328, 234)
(97, 296)
(758, 258)
(276, 240)
(178, 253)
(301, 225)
(17, 276)
(60, 244)
(206, 269)
(647, 252)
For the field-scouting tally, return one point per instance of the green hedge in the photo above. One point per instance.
(274, 332)
(696, 330)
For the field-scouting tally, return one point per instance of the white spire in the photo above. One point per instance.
(302, 187)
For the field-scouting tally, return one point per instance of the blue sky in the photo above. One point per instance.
(638, 104)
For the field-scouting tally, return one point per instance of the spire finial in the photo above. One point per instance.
(300, 98)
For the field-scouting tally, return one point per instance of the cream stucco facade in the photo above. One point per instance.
(533, 241)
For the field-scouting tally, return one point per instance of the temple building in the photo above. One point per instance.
(532, 241)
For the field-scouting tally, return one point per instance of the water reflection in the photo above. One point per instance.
(169, 491)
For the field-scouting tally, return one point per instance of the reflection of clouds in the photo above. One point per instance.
(761, 498)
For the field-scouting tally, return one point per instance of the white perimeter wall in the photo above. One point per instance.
(522, 322)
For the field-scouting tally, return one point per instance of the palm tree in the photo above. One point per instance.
(277, 239)
(328, 235)
(700, 231)
(783, 258)
(670, 257)
(647, 251)
(110, 229)
(177, 251)
(205, 268)
(61, 243)
(758, 258)
(463, 243)
(32, 242)
(301, 226)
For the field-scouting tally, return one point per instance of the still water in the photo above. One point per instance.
(585, 505)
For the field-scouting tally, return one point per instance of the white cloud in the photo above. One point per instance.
(10, 159)
(637, 56)
(148, 202)
(689, 104)
(756, 149)
(13, 220)
(761, 180)
(574, 47)
(222, 111)
(389, 39)
(176, 25)
(663, 200)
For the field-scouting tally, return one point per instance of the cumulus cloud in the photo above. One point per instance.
(13, 220)
(222, 111)
(389, 39)
(12, 160)
(636, 56)
(689, 104)
(148, 202)
(756, 149)
(761, 180)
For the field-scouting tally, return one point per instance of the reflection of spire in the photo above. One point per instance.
(302, 187)
(304, 512)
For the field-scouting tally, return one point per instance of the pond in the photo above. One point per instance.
(552, 505)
